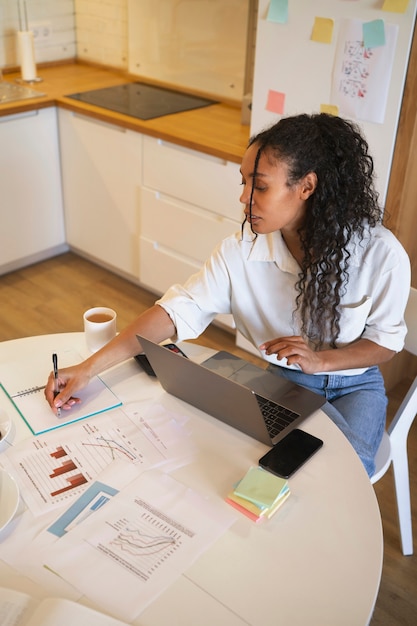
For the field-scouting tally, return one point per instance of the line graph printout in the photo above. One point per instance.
(142, 545)
(54, 468)
(139, 543)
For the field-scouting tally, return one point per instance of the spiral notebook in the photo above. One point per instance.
(24, 384)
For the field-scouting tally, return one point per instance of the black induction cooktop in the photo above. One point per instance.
(142, 101)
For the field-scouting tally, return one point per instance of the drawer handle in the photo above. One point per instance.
(197, 153)
(18, 116)
(87, 118)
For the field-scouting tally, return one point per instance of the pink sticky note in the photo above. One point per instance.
(275, 102)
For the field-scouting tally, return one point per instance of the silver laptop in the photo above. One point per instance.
(234, 391)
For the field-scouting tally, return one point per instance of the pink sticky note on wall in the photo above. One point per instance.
(275, 102)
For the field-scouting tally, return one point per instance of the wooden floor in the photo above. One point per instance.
(51, 297)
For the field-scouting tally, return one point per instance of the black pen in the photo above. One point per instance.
(56, 385)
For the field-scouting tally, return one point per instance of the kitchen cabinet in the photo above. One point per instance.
(101, 172)
(32, 221)
(189, 201)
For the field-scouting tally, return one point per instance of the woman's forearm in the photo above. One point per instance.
(154, 324)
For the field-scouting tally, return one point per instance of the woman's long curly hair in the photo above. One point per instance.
(344, 203)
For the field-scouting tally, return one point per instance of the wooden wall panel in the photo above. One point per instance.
(401, 205)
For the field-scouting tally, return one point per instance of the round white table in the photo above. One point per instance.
(317, 561)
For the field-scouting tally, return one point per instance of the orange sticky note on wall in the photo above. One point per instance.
(322, 30)
(275, 102)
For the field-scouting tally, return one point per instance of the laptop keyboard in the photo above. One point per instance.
(276, 417)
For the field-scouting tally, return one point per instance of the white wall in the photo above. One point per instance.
(306, 77)
(58, 15)
(92, 30)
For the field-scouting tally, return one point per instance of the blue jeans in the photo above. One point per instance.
(356, 404)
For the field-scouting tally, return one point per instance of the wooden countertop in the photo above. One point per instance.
(215, 129)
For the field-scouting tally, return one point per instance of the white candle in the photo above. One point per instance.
(26, 53)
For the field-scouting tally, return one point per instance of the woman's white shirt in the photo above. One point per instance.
(254, 279)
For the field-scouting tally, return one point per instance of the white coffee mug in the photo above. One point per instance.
(99, 327)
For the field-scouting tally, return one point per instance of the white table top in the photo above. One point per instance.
(317, 561)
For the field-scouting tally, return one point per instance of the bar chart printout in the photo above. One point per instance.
(74, 481)
(52, 473)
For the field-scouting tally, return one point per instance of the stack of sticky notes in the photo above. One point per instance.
(259, 494)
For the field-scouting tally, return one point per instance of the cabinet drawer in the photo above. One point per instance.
(185, 229)
(192, 176)
(160, 267)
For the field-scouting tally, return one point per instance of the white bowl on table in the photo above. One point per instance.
(9, 498)
(6, 426)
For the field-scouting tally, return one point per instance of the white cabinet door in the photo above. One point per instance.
(200, 179)
(32, 221)
(101, 170)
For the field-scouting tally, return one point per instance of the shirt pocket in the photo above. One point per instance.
(353, 320)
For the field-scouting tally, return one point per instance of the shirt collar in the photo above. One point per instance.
(270, 248)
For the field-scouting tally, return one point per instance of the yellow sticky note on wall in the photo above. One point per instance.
(331, 109)
(395, 6)
(322, 30)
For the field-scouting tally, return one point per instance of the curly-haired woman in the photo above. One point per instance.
(313, 278)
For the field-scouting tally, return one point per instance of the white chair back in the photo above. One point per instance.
(393, 448)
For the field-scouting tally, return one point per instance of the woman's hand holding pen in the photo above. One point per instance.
(67, 383)
(154, 323)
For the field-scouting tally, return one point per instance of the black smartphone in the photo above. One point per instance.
(174, 348)
(143, 361)
(289, 454)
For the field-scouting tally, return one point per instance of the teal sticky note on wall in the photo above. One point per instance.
(373, 34)
(278, 11)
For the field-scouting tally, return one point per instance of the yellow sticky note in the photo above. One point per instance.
(260, 487)
(395, 6)
(322, 30)
(331, 109)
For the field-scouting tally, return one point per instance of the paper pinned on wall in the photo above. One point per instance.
(322, 30)
(373, 34)
(361, 76)
(395, 6)
(275, 102)
(278, 11)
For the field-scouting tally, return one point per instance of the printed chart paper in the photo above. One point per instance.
(139, 543)
(57, 467)
(25, 549)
